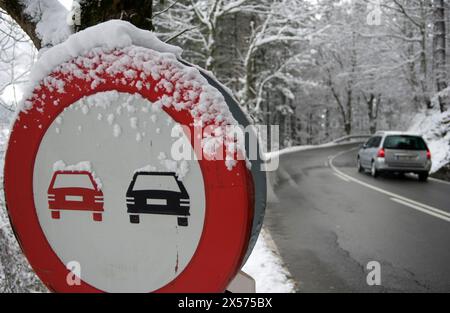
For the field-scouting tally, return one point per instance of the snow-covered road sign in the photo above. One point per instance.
(92, 175)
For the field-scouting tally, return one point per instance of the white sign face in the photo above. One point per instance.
(109, 197)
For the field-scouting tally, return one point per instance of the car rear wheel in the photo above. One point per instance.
(374, 170)
(423, 177)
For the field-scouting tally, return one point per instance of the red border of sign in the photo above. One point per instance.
(229, 195)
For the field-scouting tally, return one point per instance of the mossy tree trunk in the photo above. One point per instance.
(138, 12)
(15, 9)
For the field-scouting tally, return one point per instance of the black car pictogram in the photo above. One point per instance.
(157, 193)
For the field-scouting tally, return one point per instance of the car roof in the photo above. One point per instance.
(68, 172)
(156, 174)
(399, 133)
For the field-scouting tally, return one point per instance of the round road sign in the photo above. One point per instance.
(90, 178)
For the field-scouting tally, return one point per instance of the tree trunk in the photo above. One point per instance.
(137, 12)
(15, 9)
(93, 12)
(424, 57)
(439, 51)
(373, 104)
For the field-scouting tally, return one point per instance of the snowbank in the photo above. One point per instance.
(294, 149)
(266, 267)
(435, 128)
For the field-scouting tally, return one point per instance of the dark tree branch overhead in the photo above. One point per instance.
(16, 9)
(137, 12)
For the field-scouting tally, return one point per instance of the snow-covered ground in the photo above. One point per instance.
(435, 127)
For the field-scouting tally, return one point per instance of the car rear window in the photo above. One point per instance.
(73, 181)
(156, 182)
(405, 143)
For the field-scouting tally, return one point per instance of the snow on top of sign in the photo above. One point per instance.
(118, 49)
(109, 35)
(147, 168)
(85, 166)
(180, 168)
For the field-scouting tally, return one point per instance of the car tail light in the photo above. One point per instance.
(381, 153)
(428, 154)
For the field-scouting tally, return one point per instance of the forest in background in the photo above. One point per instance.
(320, 69)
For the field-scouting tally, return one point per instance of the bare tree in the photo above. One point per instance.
(283, 24)
(439, 52)
(17, 56)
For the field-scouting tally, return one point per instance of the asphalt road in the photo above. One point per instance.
(330, 221)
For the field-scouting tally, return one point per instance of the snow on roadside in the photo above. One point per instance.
(266, 267)
(435, 128)
(294, 149)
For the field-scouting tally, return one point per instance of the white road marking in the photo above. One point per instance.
(439, 181)
(418, 208)
(342, 177)
(423, 207)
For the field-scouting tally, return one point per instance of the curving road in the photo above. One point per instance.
(329, 221)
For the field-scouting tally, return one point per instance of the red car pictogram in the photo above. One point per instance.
(75, 191)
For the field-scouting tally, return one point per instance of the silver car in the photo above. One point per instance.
(395, 152)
